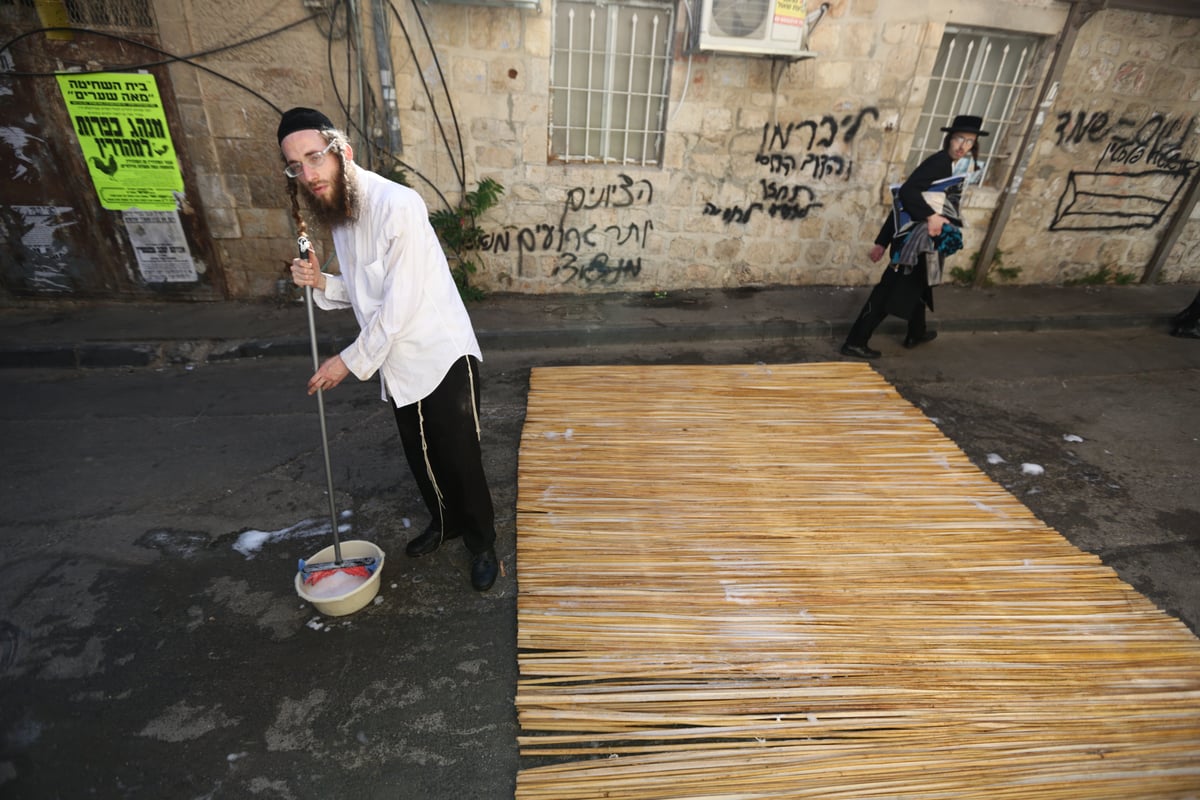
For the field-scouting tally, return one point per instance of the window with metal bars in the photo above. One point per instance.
(129, 14)
(610, 71)
(981, 73)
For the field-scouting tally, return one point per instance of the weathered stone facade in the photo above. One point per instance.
(1115, 150)
(1124, 123)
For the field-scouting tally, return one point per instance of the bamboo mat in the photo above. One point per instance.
(748, 582)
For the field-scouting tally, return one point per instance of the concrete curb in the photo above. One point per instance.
(133, 353)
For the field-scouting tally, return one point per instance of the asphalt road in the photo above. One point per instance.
(142, 655)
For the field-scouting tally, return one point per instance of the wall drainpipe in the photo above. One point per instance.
(387, 81)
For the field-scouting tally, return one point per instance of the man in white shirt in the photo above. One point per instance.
(415, 331)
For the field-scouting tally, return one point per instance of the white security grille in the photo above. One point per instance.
(977, 72)
(610, 75)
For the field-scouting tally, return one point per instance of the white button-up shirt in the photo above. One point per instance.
(395, 276)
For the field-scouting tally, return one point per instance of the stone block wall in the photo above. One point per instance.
(1118, 150)
(229, 102)
(771, 173)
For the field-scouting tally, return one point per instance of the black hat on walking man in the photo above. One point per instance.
(965, 123)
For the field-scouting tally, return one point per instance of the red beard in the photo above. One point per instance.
(334, 206)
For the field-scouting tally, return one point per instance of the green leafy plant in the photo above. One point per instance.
(459, 232)
(1102, 277)
(461, 236)
(962, 275)
(966, 275)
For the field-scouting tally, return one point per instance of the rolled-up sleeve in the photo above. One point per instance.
(334, 295)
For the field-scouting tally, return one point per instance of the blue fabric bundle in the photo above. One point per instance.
(949, 241)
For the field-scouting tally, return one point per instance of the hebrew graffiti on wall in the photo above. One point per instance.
(797, 151)
(783, 202)
(1140, 170)
(589, 253)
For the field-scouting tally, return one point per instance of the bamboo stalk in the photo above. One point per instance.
(796, 586)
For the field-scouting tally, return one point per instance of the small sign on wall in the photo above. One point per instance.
(122, 130)
(789, 12)
(160, 245)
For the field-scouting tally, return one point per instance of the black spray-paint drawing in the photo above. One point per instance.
(1116, 201)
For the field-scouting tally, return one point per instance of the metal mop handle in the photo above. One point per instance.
(304, 245)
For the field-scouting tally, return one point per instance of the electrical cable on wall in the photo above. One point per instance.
(171, 58)
(356, 128)
(462, 175)
(145, 65)
(345, 103)
(355, 12)
(332, 30)
(687, 80)
(459, 173)
(354, 74)
(458, 166)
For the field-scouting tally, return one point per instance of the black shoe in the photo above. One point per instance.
(484, 569)
(927, 336)
(1187, 333)
(426, 543)
(859, 351)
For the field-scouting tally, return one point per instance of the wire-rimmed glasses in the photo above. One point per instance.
(295, 169)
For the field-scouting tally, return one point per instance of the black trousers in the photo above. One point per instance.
(896, 293)
(1188, 318)
(441, 444)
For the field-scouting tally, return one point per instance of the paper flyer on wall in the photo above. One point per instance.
(160, 245)
(122, 130)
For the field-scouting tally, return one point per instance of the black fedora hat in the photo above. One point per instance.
(966, 124)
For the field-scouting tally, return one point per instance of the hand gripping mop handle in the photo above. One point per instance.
(305, 248)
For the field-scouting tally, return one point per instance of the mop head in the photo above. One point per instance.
(355, 567)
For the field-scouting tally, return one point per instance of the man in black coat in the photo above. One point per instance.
(1186, 323)
(905, 290)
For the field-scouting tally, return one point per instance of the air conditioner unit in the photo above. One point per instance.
(753, 27)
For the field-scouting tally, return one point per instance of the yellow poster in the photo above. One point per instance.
(789, 12)
(122, 130)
